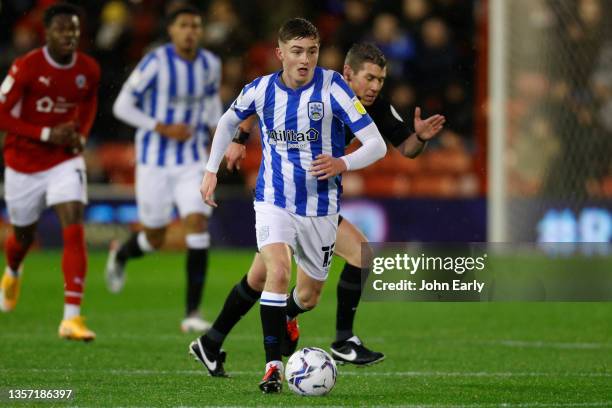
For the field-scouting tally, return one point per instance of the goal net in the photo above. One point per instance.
(550, 121)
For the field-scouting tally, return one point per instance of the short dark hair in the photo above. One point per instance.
(184, 9)
(364, 52)
(297, 28)
(60, 9)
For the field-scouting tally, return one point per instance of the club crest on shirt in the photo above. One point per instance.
(80, 81)
(315, 110)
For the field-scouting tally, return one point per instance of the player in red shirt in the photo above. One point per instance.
(48, 104)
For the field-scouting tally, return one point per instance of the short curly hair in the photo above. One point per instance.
(60, 9)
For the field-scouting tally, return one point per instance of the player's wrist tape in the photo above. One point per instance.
(45, 134)
(241, 136)
(420, 139)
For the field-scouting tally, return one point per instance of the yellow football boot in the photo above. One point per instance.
(9, 290)
(75, 329)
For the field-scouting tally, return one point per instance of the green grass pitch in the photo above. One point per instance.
(438, 354)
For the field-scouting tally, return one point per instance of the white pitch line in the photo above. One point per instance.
(555, 345)
(500, 405)
(377, 340)
(177, 336)
(360, 373)
(313, 339)
(476, 405)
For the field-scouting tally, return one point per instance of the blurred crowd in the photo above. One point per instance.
(429, 45)
(560, 111)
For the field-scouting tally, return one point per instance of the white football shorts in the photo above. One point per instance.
(158, 189)
(312, 239)
(27, 194)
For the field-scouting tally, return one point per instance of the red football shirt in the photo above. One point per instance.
(39, 93)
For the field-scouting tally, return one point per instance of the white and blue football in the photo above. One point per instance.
(311, 371)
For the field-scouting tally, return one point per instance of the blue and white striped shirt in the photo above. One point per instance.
(296, 126)
(171, 90)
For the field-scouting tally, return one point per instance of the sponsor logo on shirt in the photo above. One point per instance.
(358, 106)
(48, 105)
(292, 138)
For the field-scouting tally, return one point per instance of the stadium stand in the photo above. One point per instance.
(430, 65)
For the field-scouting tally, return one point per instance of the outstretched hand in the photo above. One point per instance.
(207, 189)
(428, 128)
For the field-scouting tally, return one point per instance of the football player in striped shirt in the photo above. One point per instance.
(172, 99)
(365, 72)
(302, 111)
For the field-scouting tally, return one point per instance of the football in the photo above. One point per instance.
(311, 371)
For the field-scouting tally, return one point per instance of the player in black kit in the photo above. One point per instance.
(365, 71)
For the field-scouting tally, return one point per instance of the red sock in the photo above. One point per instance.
(14, 252)
(74, 263)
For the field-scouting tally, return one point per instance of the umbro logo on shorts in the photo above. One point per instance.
(263, 233)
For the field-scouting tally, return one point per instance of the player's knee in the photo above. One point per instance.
(366, 254)
(362, 253)
(196, 223)
(310, 303)
(256, 278)
(280, 274)
(257, 285)
(309, 298)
